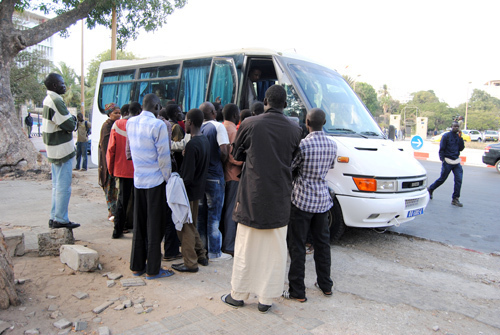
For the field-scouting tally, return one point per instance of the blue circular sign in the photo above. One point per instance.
(417, 142)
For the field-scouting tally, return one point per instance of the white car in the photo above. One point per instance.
(475, 135)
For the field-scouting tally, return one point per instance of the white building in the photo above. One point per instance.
(27, 20)
(493, 88)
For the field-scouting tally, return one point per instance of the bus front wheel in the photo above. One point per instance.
(336, 221)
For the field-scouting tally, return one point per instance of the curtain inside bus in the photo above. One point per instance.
(194, 85)
(119, 93)
(222, 83)
(145, 87)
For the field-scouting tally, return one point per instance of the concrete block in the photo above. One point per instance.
(80, 295)
(102, 307)
(15, 243)
(80, 325)
(104, 331)
(79, 258)
(49, 244)
(62, 324)
(114, 276)
(33, 331)
(132, 282)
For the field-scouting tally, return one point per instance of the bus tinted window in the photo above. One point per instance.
(164, 89)
(160, 71)
(194, 81)
(325, 89)
(115, 88)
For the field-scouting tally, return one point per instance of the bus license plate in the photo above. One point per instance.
(415, 212)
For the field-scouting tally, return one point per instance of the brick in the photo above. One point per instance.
(81, 295)
(132, 282)
(114, 276)
(110, 283)
(79, 258)
(102, 307)
(62, 324)
(80, 325)
(104, 331)
(33, 331)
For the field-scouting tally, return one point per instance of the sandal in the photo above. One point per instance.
(287, 295)
(326, 294)
(228, 300)
(126, 231)
(138, 273)
(164, 273)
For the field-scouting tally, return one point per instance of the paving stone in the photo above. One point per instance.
(52, 308)
(110, 283)
(104, 331)
(114, 276)
(49, 244)
(80, 325)
(132, 282)
(33, 331)
(62, 324)
(102, 307)
(139, 300)
(120, 307)
(127, 303)
(81, 295)
(96, 320)
(79, 258)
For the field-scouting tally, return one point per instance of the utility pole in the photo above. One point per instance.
(113, 35)
(467, 105)
(82, 80)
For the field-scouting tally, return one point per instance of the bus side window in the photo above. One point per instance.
(115, 88)
(194, 81)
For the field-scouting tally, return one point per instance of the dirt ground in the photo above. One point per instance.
(384, 283)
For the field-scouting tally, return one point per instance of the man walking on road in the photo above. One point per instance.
(82, 130)
(449, 153)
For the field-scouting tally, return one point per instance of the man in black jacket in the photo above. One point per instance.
(449, 153)
(267, 144)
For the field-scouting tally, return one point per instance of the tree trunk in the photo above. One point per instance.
(8, 294)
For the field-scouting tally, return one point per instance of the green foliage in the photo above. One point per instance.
(424, 97)
(483, 111)
(132, 15)
(439, 114)
(367, 94)
(26, 77)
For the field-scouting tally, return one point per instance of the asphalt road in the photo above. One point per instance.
(474, 226)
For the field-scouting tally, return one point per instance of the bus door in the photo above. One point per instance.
(223, 80)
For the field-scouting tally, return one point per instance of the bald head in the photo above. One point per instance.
(315, 119)
(151, 103)
(208, 110)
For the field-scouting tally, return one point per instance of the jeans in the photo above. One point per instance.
(300, 223)
(209, 215)
(61, 191)
(458, 173)
(81, 151)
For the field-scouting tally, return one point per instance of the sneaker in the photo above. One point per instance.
(430, 192)
(223, 257)
(457, 203)
(69, 225)
(83, 170)
(76, 169)
(264, 308)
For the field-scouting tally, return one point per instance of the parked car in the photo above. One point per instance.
(491, 155)
(475, 135)
(491, 135)
(437, 138)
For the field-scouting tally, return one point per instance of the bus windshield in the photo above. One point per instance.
(345, 114)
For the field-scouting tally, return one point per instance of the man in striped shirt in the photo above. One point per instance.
(150, 150)
(57, 130)
(311, 201)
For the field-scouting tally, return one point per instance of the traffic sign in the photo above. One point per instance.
(417, 142)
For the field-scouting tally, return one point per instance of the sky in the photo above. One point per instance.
(450, 47)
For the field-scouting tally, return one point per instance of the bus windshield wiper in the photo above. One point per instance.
(350, 131)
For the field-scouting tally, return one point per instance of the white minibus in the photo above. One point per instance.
(374, 183)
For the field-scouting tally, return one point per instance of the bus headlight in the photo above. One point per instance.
(374, 185)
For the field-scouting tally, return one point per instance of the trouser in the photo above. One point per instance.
(150, 214)
(445, 172)
(81, 152)
(300, 223)
(171, 243)
(227, 223)
(125, 189)
(29, 129)
(210, 211)
(61, 191)
(192, 246)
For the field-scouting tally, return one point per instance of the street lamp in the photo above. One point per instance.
(467, 105)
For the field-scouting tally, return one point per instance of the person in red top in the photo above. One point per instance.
(121, 168)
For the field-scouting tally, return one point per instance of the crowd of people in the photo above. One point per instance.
(250, 190)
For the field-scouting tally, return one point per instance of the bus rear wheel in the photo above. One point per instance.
(336, 221)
